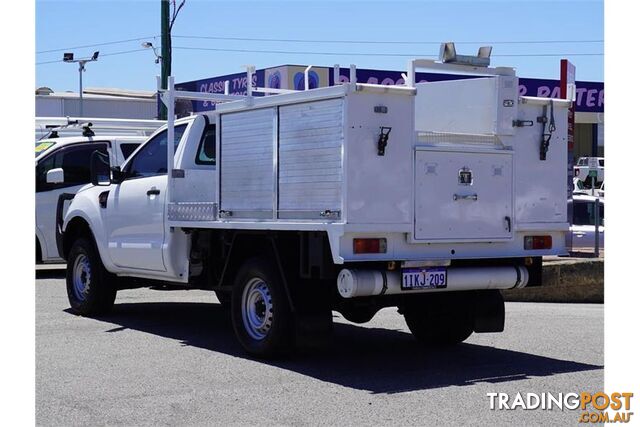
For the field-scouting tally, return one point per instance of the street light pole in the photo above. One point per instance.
(68, 57)
(80, 71)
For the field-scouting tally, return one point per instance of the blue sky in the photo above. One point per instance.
(63, 24)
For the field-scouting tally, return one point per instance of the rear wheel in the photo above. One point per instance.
(260, 311)
(224, 298)
(90, 288)
(439, 324)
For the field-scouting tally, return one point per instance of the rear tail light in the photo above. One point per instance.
(537, 242)
(576, 171)
(369, 246)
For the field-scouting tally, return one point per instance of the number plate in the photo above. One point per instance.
(424, 278)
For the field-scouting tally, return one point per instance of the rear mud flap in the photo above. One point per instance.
(313, 331)
(488, 311)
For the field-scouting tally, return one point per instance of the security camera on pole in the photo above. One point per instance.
(68, 57)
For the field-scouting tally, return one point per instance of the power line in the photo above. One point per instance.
(106, 54)
(421, 55)
(96, 45)
(317, 41)
(293, 52)
(259, 39)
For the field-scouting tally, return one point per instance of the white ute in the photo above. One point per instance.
(62, 164)
(428, 197)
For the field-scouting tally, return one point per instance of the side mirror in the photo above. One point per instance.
(117, 176)
(55, 176)
(100, 168)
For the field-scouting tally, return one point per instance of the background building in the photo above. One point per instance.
(97, 102)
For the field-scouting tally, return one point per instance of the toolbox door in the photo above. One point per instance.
(463, 196)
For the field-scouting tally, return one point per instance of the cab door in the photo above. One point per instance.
(135, 207)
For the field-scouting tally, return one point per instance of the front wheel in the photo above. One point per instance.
(260, 311)
(90, 289)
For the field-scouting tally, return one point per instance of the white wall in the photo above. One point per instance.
(123, 108)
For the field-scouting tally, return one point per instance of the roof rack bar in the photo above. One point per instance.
(206, 96)
(171, 114)
(306, 77)
(352, 74)
(250, 70)
(273, 90)
(98, 123)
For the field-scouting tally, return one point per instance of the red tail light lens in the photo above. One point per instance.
(369, 246)
(537, 242)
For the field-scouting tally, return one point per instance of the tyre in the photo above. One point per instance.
(260, 311)
(439, 324)
(224, 298)
(90, 288)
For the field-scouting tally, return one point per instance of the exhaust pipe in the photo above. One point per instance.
(364, 283)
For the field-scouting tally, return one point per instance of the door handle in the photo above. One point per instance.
(153, 192)
(473, 197)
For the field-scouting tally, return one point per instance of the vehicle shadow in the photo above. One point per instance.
(372, 359)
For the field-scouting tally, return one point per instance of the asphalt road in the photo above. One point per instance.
(170, 358)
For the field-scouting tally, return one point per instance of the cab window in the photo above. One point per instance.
(75, 160)
(207, 149)
(44, 166)
(151, 159)
(128, 148)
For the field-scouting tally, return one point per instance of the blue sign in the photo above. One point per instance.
(589, 95)
(237, 86)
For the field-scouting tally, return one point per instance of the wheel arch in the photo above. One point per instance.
(247, 245)
(303, 272)
(76, 227)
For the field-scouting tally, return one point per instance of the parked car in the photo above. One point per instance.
(62, 166)
(579, 188)
(584, 165)
(583, 224)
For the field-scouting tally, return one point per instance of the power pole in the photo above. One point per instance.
(166, 50)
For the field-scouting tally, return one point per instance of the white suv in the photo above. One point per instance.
(62, 166)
